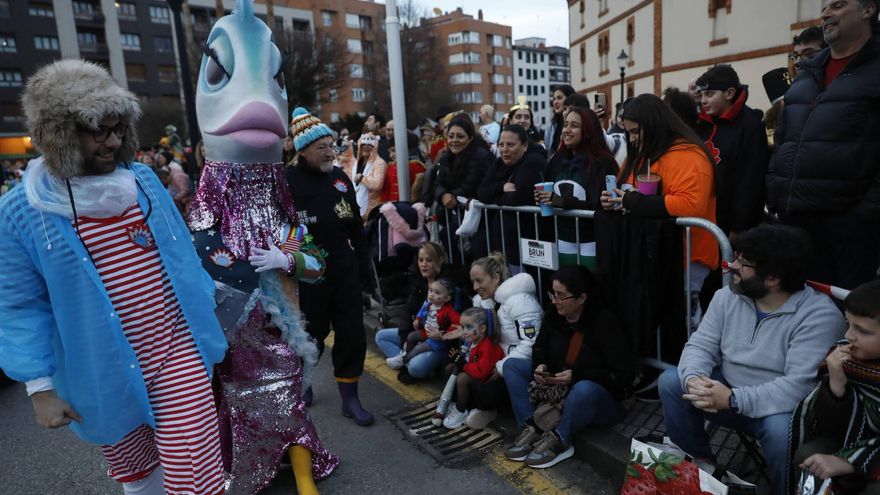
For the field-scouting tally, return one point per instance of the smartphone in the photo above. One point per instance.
(599, 100)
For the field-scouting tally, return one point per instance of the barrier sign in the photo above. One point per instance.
(539, 253)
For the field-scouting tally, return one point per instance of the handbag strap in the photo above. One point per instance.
(574, 347)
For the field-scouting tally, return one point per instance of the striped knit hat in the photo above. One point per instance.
(306, 128)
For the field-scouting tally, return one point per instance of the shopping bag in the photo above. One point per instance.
(471, 222)
(662, 468)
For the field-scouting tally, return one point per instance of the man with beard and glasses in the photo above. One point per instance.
(755, 354)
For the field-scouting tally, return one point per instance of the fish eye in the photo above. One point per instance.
(219, 63)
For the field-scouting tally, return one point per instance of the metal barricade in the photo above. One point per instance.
(688, 223)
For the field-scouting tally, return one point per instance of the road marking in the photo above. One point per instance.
(525, 479)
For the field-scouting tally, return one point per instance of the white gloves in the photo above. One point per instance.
(271, 259)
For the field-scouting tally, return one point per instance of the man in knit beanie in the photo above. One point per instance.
(325, 202)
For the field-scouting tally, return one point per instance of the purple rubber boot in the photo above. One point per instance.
(351, 404)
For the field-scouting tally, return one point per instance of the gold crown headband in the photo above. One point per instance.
(522, 104)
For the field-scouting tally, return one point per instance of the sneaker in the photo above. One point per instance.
(479, 419)
(454, 418)
(405, 378)
(396, 362)
(549, 451)
(523, 444)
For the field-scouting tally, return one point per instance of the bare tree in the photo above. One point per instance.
(316, 64)
(424, 59)
(157, 113)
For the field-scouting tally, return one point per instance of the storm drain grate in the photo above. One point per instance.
(448, 447)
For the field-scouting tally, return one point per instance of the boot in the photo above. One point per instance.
(351, 404)
(301, 460)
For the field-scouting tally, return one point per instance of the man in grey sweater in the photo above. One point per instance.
(755, 354)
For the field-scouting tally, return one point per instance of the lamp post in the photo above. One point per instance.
(622, 59)
(189, 100)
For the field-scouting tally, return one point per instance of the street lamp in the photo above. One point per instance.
(622, 60)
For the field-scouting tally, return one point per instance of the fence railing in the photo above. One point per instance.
(687, 223)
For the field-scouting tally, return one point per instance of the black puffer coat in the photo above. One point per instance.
(827, 154)
(460, 175)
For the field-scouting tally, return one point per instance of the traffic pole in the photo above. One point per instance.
(398, 103)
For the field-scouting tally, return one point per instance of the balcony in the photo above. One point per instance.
(94, 50)
(89, 18)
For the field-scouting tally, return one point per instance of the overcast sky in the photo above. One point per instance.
(542, 18)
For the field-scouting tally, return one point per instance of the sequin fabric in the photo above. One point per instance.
(261, 409)
(251, 202)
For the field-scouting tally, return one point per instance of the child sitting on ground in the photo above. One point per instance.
(834, 429)
(435, 318)
(479, 332)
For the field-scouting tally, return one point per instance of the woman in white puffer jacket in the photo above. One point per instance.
(519, 320)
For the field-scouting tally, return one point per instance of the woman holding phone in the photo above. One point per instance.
(580, 364)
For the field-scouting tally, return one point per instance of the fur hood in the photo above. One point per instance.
(68, 93)
(517, 284)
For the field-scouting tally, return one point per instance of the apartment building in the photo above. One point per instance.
(134, 39)
(531, 77)
(559, 68)
(480, 60)
(670, 43)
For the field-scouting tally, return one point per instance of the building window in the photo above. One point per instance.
(519, 55)
(4, 9)
(529, 90)
(603, 7)
(34, 9)
(7, 43)
(82, 9)
(507, 42)
(510, 80)
(368, 47)
(718, 11)
(327, 18)
(630, 38)
(469, 97)
(365, 23)
(604, 49)
(495, 40)
(130, 41)
(498, 97)
(356, 71)
(467, 78)
(160, 15)
(542, 57)
(167, 73)
(330, 69)
(355, 46)
(520, 88)
(279, 24)
(583, 57)
(464, 58)
(498, 78)
(334, 117)
(126, 11)
(10, 78)
(87, 39)
(581, 9)
(542, 74)
(543, 90)
(46, 42)
(135, 72)
(333, 96)
(351, 21)
(163, 44)
(358, 94)
(497, 59)
(520, 72)
(11, 111)
(465, 37)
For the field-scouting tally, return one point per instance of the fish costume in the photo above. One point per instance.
(246, 232)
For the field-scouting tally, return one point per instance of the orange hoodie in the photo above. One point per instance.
(686, 181)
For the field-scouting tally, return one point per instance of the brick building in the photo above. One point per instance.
(479, 56)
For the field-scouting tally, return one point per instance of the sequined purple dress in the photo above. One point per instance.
(261, 410)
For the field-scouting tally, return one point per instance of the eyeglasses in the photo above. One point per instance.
(102, 133)
(803, 54)
(558, 298)
(742, 262)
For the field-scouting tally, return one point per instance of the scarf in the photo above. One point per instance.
(95, 196)
(251, 201)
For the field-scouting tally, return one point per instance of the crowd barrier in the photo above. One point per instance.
(687, 223)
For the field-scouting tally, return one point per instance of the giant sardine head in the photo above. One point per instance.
(241, 101)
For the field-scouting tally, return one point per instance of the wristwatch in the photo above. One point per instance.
(734, 405)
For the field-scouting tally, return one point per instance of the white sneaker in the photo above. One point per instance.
(396, 362)
(454, 418)
(479, 419)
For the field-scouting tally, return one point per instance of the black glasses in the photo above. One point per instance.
(742, 261)
(102, 133)
(557, 298)
(803, 54)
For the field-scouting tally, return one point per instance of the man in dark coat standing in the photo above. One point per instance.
(824, 175)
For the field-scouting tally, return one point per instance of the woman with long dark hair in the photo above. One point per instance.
(553, 132)
(581, 367)
(521, 115)
(661, 142)
(578, 169)
(461, 168)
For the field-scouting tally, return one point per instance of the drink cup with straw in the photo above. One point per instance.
(648, 182)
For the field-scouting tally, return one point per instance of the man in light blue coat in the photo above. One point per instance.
(62, 330)
(756, 352)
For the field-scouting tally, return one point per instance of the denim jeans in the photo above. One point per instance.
(587, 402)
(685, 427)
(419, 366)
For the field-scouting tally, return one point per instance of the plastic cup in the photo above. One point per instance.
(546, 209)
(648, 184)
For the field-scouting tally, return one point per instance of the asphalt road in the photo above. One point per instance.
(379, 459)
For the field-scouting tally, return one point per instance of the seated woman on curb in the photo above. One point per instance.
(430, 266)
(519, 320)
(580, 363)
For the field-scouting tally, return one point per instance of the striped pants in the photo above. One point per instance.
(186, 440)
